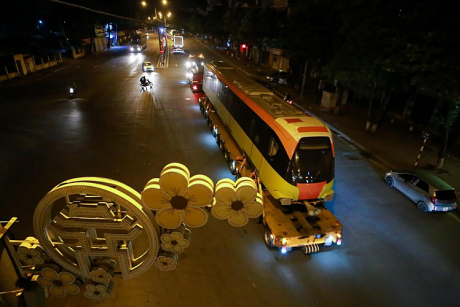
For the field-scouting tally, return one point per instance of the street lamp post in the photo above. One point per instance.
(144, 3)
(159, 39)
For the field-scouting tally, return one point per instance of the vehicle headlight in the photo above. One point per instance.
(188, 64)
(329, 240)
(131, 48)
(202, 63)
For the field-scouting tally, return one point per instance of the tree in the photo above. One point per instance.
(259, 25)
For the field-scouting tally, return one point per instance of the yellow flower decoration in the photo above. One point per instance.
(101, 274)
(29, 252)
(166, 263)
(59, 283)
(98, 292)
(177, 198)
(174, 242)
(237, 202)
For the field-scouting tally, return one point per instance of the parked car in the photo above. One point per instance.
(148, 66)
(288, 79)
(426, 190)
(273, 77)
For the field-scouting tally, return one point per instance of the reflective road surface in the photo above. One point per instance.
(392, 255)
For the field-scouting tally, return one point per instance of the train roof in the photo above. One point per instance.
(292, 119)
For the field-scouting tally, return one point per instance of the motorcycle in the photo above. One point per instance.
(72, 91)
(145, 86)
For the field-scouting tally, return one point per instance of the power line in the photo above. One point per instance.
(98, 12)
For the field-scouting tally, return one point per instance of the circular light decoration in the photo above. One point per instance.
(85, 219)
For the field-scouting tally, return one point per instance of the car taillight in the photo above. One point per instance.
(433, 200)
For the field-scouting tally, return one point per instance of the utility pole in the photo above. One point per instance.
(158, 32)
(304, 79)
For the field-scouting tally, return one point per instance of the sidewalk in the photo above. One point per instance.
(393, 145)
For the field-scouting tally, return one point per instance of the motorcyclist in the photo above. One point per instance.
(145, 82)
(72, 89)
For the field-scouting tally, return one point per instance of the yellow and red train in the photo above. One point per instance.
(292, 152)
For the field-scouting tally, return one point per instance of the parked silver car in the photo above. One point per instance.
(428, 191)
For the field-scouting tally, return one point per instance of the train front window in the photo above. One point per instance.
(313, 161)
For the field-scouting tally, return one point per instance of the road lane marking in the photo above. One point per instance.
(454, 216)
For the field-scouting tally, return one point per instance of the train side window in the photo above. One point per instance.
(272, 147)
(253, 128)
(256, 139)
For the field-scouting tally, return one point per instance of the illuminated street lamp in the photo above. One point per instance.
(148, 17)
(164, 2)
(144, 3)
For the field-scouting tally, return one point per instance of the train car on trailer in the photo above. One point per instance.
(292, 154)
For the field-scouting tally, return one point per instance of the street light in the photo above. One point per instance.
(148, 17)
(144, 3)
(164, 2)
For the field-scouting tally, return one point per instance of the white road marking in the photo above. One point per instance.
(455, 216)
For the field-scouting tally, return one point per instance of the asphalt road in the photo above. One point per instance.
(392, 255)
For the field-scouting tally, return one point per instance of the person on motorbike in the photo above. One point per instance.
(145, 82)
(72, 89)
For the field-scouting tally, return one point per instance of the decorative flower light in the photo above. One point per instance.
(98, 292)
(101, 274)
(174, 242)
(166, 263)
(237, 202)
(30, 253)
(177, 198)
(59, 283)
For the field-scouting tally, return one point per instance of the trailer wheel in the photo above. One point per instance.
(226, 154)
(268, 239)
(221, 144)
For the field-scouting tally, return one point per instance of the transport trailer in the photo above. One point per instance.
(299, 226)
(306, 225)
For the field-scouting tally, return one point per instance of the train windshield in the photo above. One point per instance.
(313, 161)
